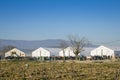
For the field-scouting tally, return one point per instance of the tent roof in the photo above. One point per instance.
(87, 51)
(54, 51)
(15, 49)
(115, 48)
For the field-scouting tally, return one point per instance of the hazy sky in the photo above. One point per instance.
(97, 20)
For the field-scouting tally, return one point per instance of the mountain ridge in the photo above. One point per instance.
(33, 44)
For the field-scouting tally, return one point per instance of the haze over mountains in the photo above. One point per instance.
(26, 44)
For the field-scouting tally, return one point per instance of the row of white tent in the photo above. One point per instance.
(48, 52)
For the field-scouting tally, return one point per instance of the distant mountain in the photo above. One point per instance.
(25, 44)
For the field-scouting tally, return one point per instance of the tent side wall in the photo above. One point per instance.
(7, 54)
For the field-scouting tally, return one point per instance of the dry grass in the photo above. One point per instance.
(18, 70)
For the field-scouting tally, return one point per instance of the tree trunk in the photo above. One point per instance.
(64, 55)
(64, 58)
(76, 57)
(79, 57)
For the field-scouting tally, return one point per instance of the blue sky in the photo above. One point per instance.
(97, 20)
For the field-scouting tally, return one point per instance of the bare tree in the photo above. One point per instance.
(77, 44)
(63, 45)
(7, 48)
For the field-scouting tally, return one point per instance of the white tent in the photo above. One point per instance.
(41, 52)
(105, 51)
(45, 52)
(15, 52)
(67, 52)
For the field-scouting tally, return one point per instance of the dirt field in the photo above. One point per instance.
(58, 70)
